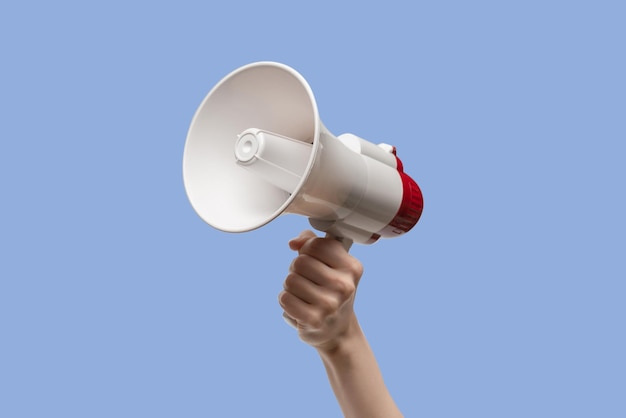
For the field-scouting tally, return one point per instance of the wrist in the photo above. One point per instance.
(344, 343)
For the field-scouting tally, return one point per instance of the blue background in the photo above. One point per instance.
(506, 300)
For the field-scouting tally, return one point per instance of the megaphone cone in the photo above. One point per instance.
(256, 149)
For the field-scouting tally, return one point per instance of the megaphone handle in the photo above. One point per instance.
(346, 242)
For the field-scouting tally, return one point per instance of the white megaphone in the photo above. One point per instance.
(256, 149)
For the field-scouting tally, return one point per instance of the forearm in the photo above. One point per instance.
(356, 378)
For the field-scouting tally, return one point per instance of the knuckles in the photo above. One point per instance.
(291, 281)
(328, 305)
(316, 320)
(344, 287)
(282, 298)
(301, 263)
(355, 267)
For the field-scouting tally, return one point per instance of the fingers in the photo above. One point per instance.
(312, 315)
(327, 250)
(312, 269)
(320, 287)
(313, 292)
(325, 262)
(296, 243)
(328, 297)
(298, 310)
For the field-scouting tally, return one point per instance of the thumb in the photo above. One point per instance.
(296, 243)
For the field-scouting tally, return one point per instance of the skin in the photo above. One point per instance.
(318, 300)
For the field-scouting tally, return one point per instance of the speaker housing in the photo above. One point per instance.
(256, 149)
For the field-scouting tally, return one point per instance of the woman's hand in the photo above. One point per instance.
(319, 291)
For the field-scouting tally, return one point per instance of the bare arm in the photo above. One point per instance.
(318, 300)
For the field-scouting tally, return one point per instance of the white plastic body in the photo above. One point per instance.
(349, 194)
(277, 159)
(257, 149)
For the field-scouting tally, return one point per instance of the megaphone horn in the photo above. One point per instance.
(256, 149)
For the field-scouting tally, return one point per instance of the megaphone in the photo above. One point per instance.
(256, 149)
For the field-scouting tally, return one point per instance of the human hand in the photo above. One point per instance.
(319, 291)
